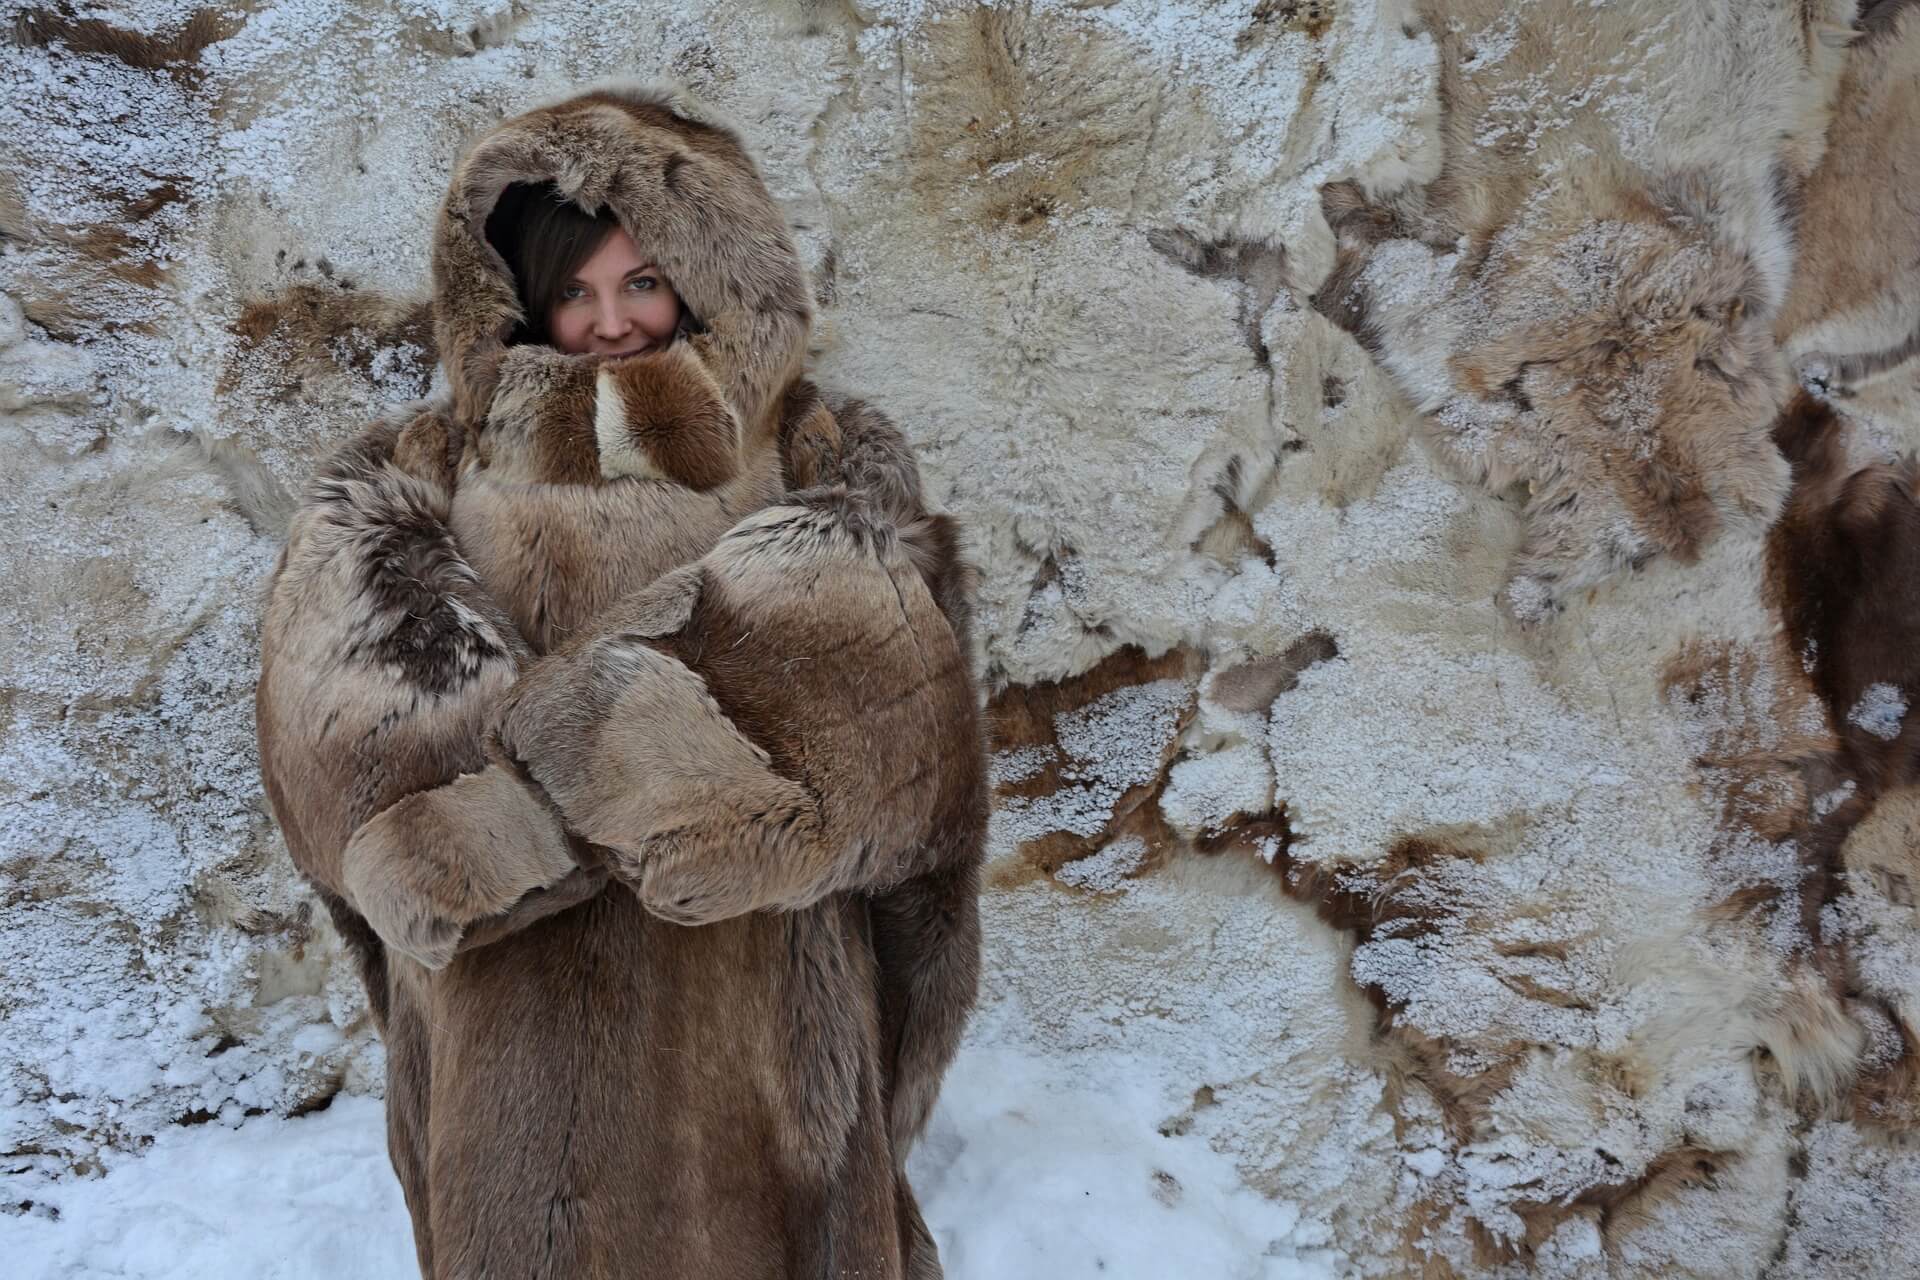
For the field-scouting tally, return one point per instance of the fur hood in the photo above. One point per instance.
(682, 186)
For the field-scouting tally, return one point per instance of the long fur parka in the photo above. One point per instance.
(622, 715)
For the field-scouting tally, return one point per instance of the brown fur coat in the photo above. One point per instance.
(656, 822)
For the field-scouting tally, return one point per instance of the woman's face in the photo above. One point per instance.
(617, 304)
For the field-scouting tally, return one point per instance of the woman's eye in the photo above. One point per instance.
(640, 284)
(573, 293)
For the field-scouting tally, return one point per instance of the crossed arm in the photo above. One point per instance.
(381, 659)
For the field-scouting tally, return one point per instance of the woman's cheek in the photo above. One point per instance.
(568, 330)
(662, 316)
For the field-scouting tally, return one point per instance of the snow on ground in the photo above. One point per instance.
(1057, 1169)
(272, 1199)
(1026, 1171)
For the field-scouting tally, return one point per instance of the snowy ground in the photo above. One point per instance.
(1030, 1169)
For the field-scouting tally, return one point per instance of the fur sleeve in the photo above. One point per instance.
(381, 657)
(926, 929)
(853, 444)
(791, 716)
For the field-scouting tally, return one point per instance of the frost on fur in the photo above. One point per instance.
(1581, 304)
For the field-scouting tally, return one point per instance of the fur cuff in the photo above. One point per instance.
(429, 448)
(563, 419)
(661, 416)
(427, 869)
(539, 428)
(631, 746)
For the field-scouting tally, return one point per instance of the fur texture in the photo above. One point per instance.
(699, 448)
(787, 718)
(1583, 311)
(1842, 563)
(1854, 313)
(1842, 558)
(719, 1074)
(1844, 570)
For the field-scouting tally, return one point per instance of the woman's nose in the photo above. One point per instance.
(610, 321)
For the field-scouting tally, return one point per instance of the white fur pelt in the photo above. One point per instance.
(1581, 303)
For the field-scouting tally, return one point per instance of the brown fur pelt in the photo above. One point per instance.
(1844, 572)
(655, 808)
(1583, 310)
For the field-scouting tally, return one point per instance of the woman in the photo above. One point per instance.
(578, 1085)
(583, 283)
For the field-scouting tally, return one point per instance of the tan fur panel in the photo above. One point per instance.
(1854, 312)
(1471, 1089)
(997, 148)
(1885, 850)
(1578, 311)
(1254, 684)
(695, 812)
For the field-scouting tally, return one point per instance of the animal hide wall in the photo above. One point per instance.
(1436, 471)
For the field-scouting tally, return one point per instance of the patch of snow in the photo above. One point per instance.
(1017, 764)
(1880, 710)
(1107, 870)
(1207, 790)
(1827, 801)
(1108, 746)
(1056, 1169)
(268, 1198)
(1427, 1161)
